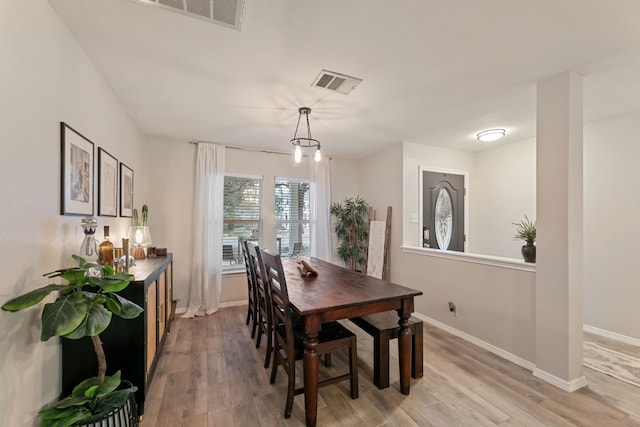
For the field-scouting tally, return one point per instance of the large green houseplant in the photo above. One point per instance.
(83, 308)
(352, 229)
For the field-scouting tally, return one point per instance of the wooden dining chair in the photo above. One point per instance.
(289, 336)
(252, 307)
(263, 303)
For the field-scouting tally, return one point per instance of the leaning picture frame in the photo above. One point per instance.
(76, 171)
(107, 184)
(126, 191)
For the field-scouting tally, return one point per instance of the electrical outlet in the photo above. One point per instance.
(414, 217)
(453, 309)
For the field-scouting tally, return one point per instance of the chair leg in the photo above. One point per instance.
(267, 357)
(274, 366)
(290, 389)
(260, 321)
(416, 351)
(248, 315)
(381, 359)
(353, 368)
(255, 325)
(327, 360)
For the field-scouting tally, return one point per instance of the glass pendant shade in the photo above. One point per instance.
(297, 154)
(318, 156)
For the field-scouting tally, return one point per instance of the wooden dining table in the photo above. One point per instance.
(338, 293)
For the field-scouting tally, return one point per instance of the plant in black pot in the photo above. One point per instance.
(526, 230)
(83, 308)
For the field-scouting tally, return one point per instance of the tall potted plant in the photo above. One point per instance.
(84, 308)
(526, 230)
(352, 229)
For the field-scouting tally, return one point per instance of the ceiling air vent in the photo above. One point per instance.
(336, 82)
(224, 12)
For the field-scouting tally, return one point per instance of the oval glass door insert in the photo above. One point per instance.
(443, 219)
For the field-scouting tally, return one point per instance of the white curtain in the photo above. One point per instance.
(206, 265)
(321, 232)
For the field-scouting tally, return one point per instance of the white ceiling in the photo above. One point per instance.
(434, 72)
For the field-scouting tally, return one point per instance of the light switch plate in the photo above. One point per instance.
(414, 217)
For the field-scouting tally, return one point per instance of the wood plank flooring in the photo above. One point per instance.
(210, 374)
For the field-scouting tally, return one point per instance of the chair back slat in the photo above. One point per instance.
(276, 284)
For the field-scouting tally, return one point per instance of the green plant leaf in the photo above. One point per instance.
(63, 316)
(113, 283)
(110, 384)
(80, 391)
(112, 400)
(123, 307)
(96, 320)
(31, 298)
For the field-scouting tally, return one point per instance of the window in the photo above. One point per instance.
(292, 217)
(242, 217)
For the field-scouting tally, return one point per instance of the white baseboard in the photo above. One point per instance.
(181, 310)
(612, 335)
(233, 304)
(482, 344)
(569, 386)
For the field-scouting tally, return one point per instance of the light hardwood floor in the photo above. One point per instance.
(210, 374)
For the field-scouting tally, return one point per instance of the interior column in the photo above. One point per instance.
(559, 216)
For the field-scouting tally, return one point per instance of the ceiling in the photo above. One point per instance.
(434, 72)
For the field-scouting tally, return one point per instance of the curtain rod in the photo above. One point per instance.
(255, 150)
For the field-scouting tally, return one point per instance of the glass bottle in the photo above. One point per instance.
(106, 249)
(89, 247)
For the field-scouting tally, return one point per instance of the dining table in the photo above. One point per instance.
(337, 293)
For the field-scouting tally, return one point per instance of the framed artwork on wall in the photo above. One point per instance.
(126, 191)
(107, 184)
(77, 178)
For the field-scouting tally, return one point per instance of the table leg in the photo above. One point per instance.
(404, 347)
(310, 360)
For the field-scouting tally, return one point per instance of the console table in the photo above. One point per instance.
(130, 345)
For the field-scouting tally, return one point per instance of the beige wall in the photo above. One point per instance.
(45, 78)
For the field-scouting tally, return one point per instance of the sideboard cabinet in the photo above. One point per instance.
(130, 345)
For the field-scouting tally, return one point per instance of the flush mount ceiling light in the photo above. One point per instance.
(304, 142)
(490, 135)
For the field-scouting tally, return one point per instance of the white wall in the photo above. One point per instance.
(45, 78)
(611, 227)
(170, 178)
(504, 190)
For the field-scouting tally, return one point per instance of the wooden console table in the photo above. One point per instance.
(131, 345)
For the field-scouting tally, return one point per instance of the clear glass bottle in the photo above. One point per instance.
(89, 247)
(106, 249)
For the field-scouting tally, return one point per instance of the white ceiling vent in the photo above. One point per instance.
(336, 82)
(224, 12)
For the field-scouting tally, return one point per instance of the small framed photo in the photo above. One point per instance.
(126, 191)
(77, 178)
(107, 184)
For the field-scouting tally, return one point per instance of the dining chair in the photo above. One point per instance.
(263, 304)
(252, 307)
(289, 336)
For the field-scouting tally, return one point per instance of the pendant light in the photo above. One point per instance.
(304, 141)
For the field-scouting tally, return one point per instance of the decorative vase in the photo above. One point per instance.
(125, 415)
(529, 252)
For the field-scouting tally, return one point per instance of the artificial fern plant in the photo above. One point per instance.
(352, 229)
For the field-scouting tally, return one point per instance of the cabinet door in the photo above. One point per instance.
(152, 322)
(162, 297)
(169, 298)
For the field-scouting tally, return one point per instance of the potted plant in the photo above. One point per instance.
(83, 308)
(352, 229)
(526, 230)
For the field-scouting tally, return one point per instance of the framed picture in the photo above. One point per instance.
(126, 191)
(77, 180)
(107, 184)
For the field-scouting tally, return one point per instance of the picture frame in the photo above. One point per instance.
(126, 191)
(76, 172)
(107, 184)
